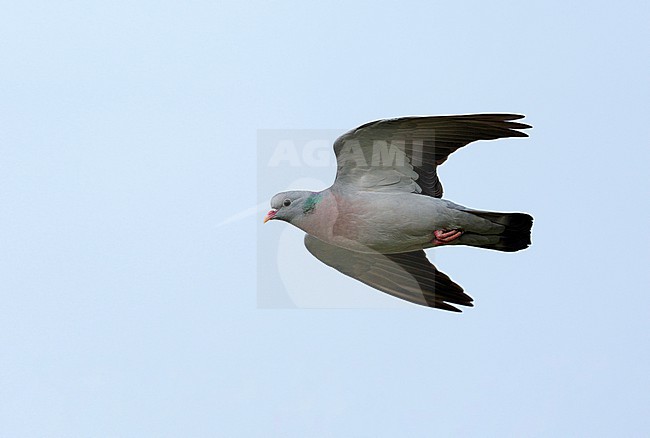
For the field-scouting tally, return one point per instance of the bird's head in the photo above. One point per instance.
(287, 206)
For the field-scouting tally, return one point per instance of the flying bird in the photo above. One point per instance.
(385, 206)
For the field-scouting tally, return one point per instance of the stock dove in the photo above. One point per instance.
(385, 206)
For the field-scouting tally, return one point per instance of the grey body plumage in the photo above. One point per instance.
(385, 204)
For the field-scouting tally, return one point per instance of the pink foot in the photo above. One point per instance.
(443, 237)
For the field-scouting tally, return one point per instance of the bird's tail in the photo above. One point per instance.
(515, 237)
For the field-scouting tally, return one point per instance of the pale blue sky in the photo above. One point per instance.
(128, 132)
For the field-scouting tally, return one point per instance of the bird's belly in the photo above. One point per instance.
(383, 223)
(384, 246)
(397, 239)
(389, 233)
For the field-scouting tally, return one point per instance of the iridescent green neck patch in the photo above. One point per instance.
(311, 201)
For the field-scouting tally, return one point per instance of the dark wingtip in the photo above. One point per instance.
(515, 126)
(506, 116)
(514, 116)
(502, 124)
(514, 133)
(445, 306)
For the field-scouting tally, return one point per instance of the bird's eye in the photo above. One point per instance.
(287, 202)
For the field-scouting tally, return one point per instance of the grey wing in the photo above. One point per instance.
(403, 154)
(409, 276)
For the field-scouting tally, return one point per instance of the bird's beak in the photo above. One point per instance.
(270, 215)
